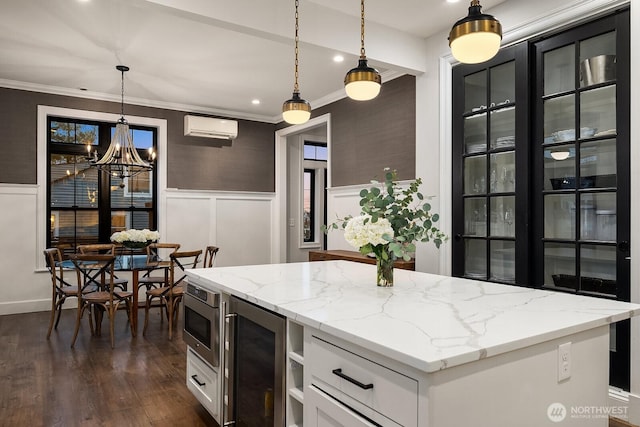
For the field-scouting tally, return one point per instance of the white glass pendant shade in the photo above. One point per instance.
(475, 38)
(296, 110)
(475, 47)
(363, 82)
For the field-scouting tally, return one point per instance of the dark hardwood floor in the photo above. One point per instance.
(141, 382)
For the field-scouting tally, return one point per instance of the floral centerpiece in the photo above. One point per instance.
(135, 239)
(392, 219)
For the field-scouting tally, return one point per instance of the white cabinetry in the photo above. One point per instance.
(325, 411)
(202, 381)
(343, 376)
(295, 373)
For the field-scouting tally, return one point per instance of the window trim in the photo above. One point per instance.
(44, 111)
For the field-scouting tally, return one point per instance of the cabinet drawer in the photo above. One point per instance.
(202, 381)
(363, 384)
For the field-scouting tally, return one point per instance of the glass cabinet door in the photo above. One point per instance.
(581, 191)
(486, 240)
(580, 162)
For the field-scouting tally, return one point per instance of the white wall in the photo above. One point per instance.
(24, 289)
(238, 223)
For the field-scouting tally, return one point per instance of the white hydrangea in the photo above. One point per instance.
(133, 235)
(360, 231)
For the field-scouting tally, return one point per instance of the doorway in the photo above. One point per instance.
(299, 177)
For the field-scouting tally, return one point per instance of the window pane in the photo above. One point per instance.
(73, 227)
(475, 216)
(73, 182)
(315, 151)
(136, 191)
(142, 138)
(74, 133)
(560, 265)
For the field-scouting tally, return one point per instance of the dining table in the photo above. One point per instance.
(136, 264)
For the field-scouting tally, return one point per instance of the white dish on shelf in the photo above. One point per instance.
(475, 148)
(606, 132)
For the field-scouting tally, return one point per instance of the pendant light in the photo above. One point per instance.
(363, 82)
(296, 110)
(122, 159)
(476, 37)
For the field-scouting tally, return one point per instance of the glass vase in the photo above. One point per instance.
(384, 271)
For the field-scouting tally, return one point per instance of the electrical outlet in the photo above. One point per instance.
(292, 222)
(564, 361)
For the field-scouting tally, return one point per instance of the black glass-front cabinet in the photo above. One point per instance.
(541, 168)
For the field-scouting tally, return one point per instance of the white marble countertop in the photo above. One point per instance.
(426, 321)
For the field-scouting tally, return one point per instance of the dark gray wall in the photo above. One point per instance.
(244, 164)
(366, 137)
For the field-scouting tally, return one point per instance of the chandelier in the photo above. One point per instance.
(122, 159)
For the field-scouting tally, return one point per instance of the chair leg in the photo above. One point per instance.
(59, 310)
(54, 309)
(147, 305)
(80, 310)
(170, 313)
(111, 312)
(127, 304)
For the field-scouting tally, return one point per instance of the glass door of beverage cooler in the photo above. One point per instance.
(582, 152)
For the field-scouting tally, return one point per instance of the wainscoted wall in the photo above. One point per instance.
(23, 288)
(239, 223)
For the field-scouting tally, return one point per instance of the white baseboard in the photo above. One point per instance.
(17, 307)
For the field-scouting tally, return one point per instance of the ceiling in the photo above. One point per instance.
(211, 56)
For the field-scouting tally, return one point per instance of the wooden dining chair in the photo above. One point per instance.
(157, 254)
(107, 299)
(104, 249)
(60, 288)
(171, 295)
(209, 256)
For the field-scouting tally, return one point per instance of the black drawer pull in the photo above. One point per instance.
(339, 373)
(195, 378)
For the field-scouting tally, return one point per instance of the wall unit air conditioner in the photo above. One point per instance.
(209, 127)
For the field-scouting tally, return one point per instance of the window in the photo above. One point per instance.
(309, 204)
(85, 206)
(315, 164)
(315, 151)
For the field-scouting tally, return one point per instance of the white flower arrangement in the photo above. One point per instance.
(361, 231)
(134, 235)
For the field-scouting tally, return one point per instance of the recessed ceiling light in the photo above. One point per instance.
(453, 1)
(338, 58)
(255, 102)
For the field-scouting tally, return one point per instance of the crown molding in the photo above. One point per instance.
(75, 93)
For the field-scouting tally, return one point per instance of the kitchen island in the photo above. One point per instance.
(432, 351)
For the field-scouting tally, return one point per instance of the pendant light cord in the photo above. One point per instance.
(362, 55)
(295, 72)
(122, 70)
